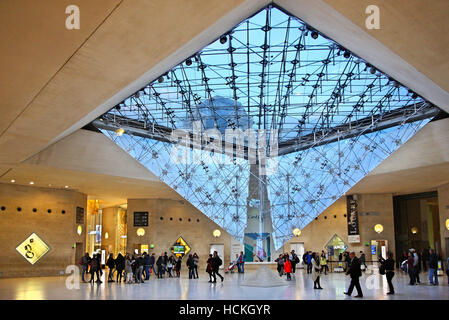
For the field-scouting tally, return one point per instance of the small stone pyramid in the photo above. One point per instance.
(263, 277)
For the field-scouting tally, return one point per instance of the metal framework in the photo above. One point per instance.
(336, 116)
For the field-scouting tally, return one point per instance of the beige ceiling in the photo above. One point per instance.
(421, 164)
(54, 81)
(90, 163)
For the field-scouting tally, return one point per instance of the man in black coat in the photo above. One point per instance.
(216, 263)
(355, 272)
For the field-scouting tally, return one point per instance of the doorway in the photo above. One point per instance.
(299, 250)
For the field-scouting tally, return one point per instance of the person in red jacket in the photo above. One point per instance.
(288, 267)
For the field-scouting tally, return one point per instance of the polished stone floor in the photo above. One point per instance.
(301, 287)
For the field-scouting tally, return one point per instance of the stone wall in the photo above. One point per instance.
(443, 206)
(195, 228)
(56, 229)
(332, 221)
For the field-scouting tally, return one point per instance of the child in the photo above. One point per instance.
(288, 267)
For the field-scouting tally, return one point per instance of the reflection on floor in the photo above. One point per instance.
(301, 287)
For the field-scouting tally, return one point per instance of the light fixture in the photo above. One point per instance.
(79, 230)
(346, 54)
(188, 62)
(12, 181)
(447, 224)
(66, 187)
(378, 228)
(216, 233)
(141, 232)
(296, 232)
(223, 39)
(119, 132)
(414, 230)
(152, 246)
(160, 80)
(31, 182)
(106, 235)
(314, 35)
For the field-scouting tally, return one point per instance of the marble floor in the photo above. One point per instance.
(300, 288)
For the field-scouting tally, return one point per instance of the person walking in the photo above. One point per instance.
(191, 265)
(85, 261)
(363, 260)
(111, 265)
(152, 263)
(309, 262)
(433, 267)
(160, 266)
(323, 263)
(241, 263)
(355, 273)
(119, 267)
(94, 269)
(288, 267)
(216, 263)
(416, 266)
(128, 269)
(146, 266)
(411, 272)
(388, 265)
(196, 261)
(170, 265)
(178, 267)
(209, 268)
(140, 264)
(294, 260)
(280, 264)
(100, 270)
(316, 271)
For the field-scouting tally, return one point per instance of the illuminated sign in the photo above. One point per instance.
(180, 248)
(33, 248)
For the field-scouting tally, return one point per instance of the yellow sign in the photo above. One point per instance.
(33, 248)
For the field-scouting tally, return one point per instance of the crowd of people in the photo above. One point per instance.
(414, 263)
(138, 268)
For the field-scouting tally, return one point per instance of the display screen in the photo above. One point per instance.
(178, 249)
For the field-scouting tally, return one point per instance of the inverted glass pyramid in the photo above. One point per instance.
(329, 116)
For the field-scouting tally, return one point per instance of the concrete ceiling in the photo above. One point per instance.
(90, 163)
(421, 164)
(54, 81)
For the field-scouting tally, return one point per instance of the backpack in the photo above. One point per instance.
(219, 261)
(382, 269)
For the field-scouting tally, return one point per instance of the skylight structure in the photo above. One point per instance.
(329, 119)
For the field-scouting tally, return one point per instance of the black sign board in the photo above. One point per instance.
(79, 215)
(141, 219)
(353, 219)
